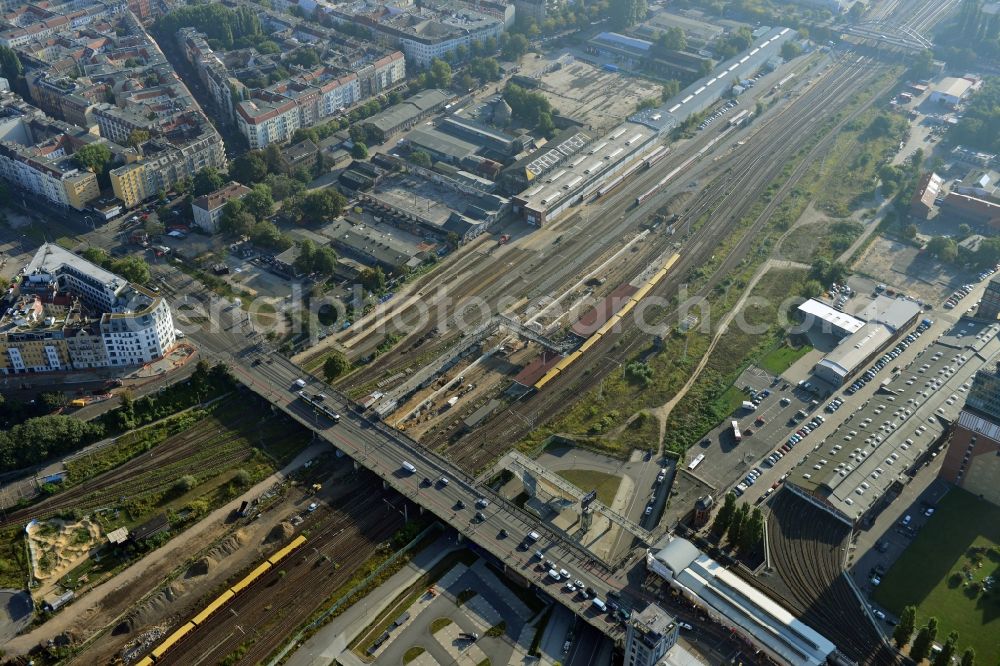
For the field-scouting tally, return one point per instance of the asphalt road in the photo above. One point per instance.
(382, 451)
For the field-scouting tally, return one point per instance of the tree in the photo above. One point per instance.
(515, 47)
(790, 50)
(321, 205)
(943, 248)
(373, 279)
(968, 657)
(670, 89)
(133, 269)
(249, 169)
(206, 181)
(259, 202)
(904, 630)
(855, 13)
(673, 39)
(283, 187)
(725, 515)
(10, 65)
(811, 289)
(943, 657)
(925, 638)
(910, 231)
(335, 365)
(421, 158)
(93, 157)
(235, 221)
(303, 262)
(750, 535)
(738, 523)
(137, 137)
(440, 73)
(545, 126)
(359, 151)
(964, 230)
(265, 234)
(626, 13)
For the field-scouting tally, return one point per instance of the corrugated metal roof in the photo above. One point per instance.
(834, 317)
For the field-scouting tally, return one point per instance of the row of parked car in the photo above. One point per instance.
(718, 114)
(887, 358)
(959, 294)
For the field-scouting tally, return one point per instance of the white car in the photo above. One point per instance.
(685, 625)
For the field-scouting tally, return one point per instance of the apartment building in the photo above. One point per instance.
(65, 313)
(36, 154)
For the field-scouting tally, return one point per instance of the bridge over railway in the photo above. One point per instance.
(886, 33)
(473, 510)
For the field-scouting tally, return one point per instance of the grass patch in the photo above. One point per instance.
(412, 654)
(13, 558)
(782, 358)
(586, 480)
(962, 537)
(497, 630)
(713, 397)
(440, 623)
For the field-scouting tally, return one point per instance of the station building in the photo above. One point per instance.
(728, 599)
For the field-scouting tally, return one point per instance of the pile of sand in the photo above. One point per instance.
(200, 568)
(283, 531)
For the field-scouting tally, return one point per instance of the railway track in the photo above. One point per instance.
(807, 551)
(733, 193)
(257, 621)
(214, 443)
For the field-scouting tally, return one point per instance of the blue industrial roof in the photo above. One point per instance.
(622, 40)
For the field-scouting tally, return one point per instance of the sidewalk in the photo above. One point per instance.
(331, 641)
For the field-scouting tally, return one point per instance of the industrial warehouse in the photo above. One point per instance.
(864, 336)
(564, 173)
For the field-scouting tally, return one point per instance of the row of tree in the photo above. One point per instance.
(924, 641)
(132, 268)
(220, 24)
(40, 439)
(742, 528)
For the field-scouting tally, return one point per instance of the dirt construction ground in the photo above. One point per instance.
(224, 548)
(909, 270)
(591, 95)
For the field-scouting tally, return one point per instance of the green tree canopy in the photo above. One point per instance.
(904, 629)
(421, 158)
(440, 73)
(249, 168)
(93, 157)
(943, 248)
(359, 151)
(925, 639)
(206, 181)
(373, 279)
(335, 365)
(10, 65)
(673, 39)
(626, 13)
(259, 202)
(321, 205)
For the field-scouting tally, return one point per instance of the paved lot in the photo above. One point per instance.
(493, 603)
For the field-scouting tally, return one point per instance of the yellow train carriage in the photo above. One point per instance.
(251, 578)
(171, 640)
(208, 610)
(286, 551)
